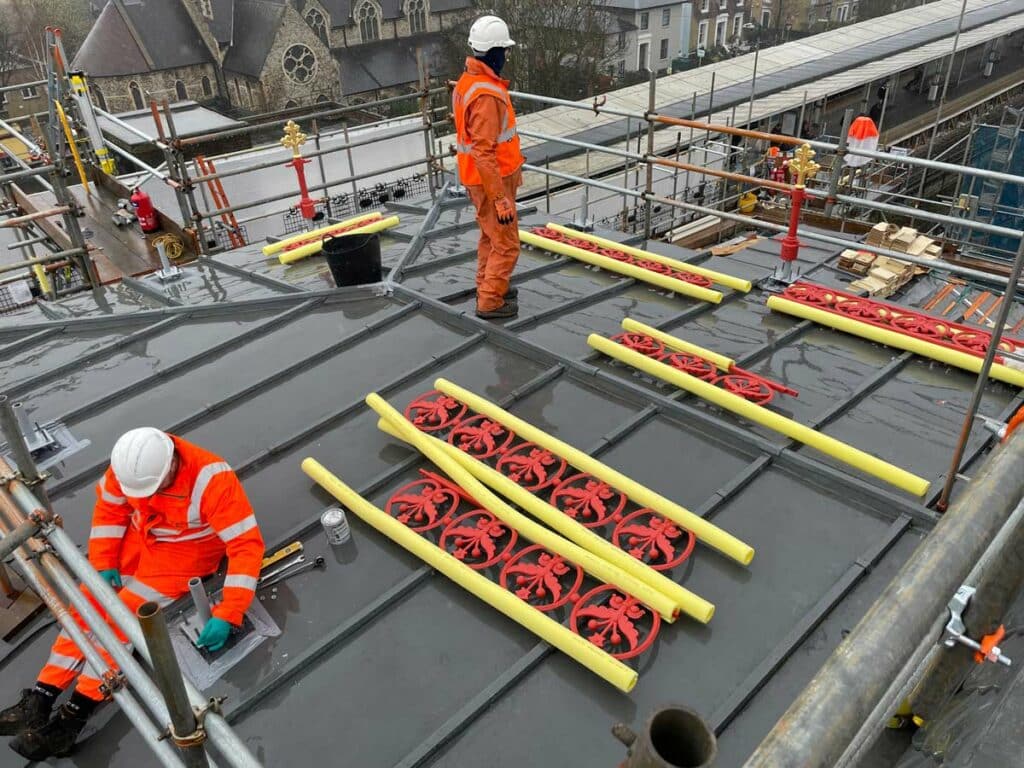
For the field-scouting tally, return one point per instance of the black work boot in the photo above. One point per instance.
(512, 293)
(57, 738)
(508, 309)
(31, 712)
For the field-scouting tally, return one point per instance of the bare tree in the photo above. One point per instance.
(9, 59)
(72, 17)
(563, 49)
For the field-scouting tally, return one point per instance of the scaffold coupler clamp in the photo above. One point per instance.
(956, 631)
(198, 736)
(113, 681)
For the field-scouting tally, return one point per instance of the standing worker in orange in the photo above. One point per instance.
(490, 163)
(166, 511)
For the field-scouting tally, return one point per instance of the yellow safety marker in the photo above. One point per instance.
(710, 534)
(721, 362)
(684, 600)
(271, 248)
(547, 629)
(303, 251)
(729, 281)
(920, 347)
(597, 567)
(72, 146)
(748, 410)
(611, 265)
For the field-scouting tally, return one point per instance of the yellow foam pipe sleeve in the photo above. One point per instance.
(748, 410)
(547, 629)
(303, 251)
(683, 599)
(721, 362)
(70, 137)
(707, 532)
(271, 248)
(738, 283)
(597, 567)
(896, 340)
(611, 265)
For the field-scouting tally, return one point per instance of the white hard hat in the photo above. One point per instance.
(141, 460)
(489, 32)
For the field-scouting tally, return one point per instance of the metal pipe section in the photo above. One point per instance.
(26, 173)
(27, 243)
(17, 221)
(59, 256)
(11, 428)
(673, 737)
(979, 386)
(595, 106)
(30, 570)
(858, 673)
(135, 161)
(200, 599)
(21, 533)
(130, 128)
(171, 685)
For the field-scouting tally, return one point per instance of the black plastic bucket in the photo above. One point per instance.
(353, 259)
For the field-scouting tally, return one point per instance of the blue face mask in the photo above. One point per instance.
(495, 59)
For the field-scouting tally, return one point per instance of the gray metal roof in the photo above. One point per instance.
(385, 63)
(190, 119)
(142, 36)
(223, 23)
(256, 27)
(110, 49)
(381, 662)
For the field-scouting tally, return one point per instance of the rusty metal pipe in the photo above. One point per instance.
(673, 737)
(775, 138)
(167, 675)
(17, 221)
(729, 175)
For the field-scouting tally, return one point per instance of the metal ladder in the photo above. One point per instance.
(1005, 144)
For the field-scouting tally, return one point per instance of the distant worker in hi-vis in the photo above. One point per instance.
(166, 511)
(490, 163)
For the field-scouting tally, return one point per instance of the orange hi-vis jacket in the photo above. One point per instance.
(488, 142)
(183, 530)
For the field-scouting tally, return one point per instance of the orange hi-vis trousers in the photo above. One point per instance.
(66, 662)
(498, 249)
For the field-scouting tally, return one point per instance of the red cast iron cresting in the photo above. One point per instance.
(739, 381)
(934, 330)
(610, 619)
(612, 253)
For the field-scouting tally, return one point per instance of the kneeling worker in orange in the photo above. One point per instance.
(166, 511)
(490, 163)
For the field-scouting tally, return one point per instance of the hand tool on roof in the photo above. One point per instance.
(287, 551)
(987, 649)
(291, 564)
(318, 563)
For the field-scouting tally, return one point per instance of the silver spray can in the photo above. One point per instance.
(335, 525)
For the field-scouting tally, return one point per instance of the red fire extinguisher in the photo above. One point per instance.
(145, 211)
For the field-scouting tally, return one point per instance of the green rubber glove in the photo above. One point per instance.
(113, 576)
(214, 634)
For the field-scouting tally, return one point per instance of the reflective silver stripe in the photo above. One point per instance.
(242, 582)
(64, 662)
(146, 592)
(108, 531)
(203, 479)
(463, 149)
(110, 498)
(491, 87)
(236, 530)
(202, 533)
(507, 135)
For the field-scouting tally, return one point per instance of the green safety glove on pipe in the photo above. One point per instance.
(214, 634)
(113, 576)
